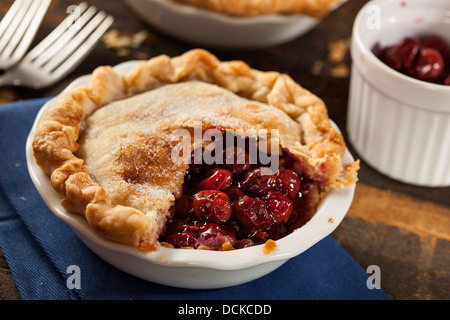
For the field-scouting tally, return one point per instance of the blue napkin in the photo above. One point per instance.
(40, 248)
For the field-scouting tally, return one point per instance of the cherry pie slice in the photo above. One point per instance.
(191, 152)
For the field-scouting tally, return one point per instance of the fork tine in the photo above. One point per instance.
(60, 40)
(14, 23)
(18, 29)
(76, 42)
(12, 12)
(27, 30)
(30, 74)
(55, 34)
(71, 62)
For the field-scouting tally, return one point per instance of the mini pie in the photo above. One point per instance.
(315, 8)
(107, 148)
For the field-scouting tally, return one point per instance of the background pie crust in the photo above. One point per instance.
(315, 8)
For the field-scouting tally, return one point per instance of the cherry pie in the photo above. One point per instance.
(137, 154)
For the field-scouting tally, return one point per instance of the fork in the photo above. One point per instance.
(61, 51)
(18, 28)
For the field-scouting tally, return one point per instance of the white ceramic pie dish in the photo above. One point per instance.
(213, 29)
(399, 125)
(188, 268)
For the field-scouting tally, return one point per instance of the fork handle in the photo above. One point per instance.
(7, 79)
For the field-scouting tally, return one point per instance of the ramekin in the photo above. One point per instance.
(399, 125)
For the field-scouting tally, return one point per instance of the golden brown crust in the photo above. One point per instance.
(58, 131)
(315, 8)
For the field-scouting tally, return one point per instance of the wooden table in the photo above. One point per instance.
(403, 229)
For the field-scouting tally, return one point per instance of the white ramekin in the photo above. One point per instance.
(399, 125)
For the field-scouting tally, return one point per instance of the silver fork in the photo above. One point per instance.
(18, 28)
(61, 51)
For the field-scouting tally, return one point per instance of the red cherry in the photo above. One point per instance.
(310, 195)
(288, 182)
(289, 161)
(243, 243)
(429, 65)
(237, 160)
(214, 235)
(252, 212)
(401, 55)
(259, 235)
(181, 226)
(438, 44)
(183, 207)
(196, 168)
(391, 59)
(181, 239)
(234, 193)
(408, 50)
(218, 179)
(212, 205)
(259, 182)
(280, 207)
(299, 216)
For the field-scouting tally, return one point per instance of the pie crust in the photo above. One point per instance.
(105, 146)
(315, 8)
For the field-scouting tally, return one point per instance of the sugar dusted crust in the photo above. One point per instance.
(128, 215)
(315, 8)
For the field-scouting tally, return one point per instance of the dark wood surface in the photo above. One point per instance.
(403, 229)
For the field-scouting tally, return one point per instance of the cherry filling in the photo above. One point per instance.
(235, 205)
(426, 60)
